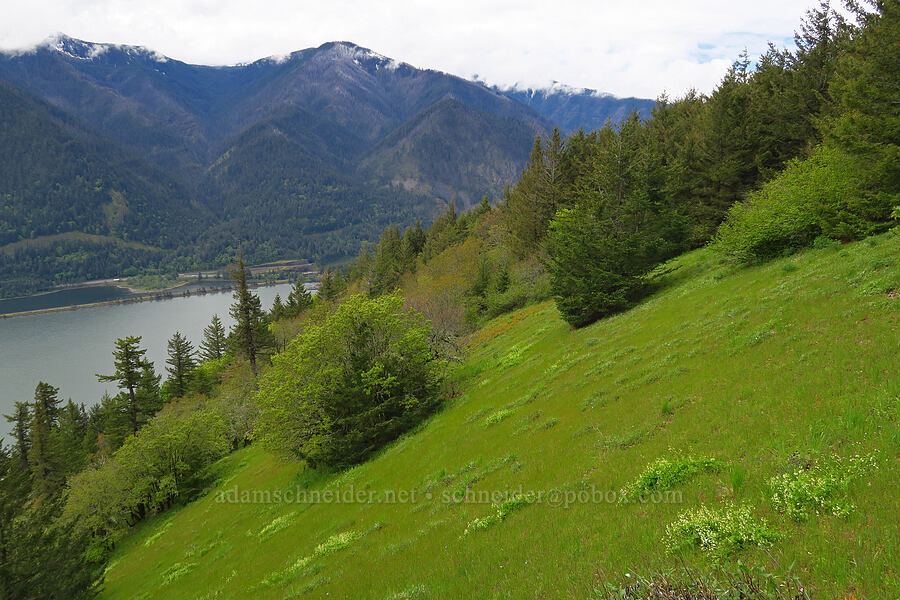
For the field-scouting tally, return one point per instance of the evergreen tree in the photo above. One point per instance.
(388, 264)
(529, 206)
(48, 397)
(180, 364)
(43, 455)
(329, 286)
(278, 308)
(866, 89)
(21, 420)
(135, 377)
(71, 433)
(250, 334)
(299, 299)
(215, 342)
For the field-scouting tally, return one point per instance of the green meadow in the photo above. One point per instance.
(513, 489)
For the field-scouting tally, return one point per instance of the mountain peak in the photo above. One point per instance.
(76, 49)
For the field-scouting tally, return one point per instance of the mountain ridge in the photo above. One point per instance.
(337, 131)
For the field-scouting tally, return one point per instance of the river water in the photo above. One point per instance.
(67, 348)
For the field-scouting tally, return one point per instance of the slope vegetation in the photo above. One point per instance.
(764, 369)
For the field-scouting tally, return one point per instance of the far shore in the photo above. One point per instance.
(142, 296)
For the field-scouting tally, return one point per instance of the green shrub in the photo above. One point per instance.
(825, 195)
(348, 386)
(718, 532)
(821, 489)
(501, 511)
(664, 474)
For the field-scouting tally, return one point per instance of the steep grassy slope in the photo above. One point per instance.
(759, 368)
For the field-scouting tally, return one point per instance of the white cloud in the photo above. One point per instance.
(627, 48)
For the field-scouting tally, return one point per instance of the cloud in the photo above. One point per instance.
(626, 48)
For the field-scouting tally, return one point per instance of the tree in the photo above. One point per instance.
(329, 285)
(135, 377)
(278, 308)
(620, 227)
(299, 299)
(180, 364)
(388, 264)
(215, 342)
(866, 88)
(250, 334)
(21, 420)
(529, 206)
(344, 388)
(43, 455)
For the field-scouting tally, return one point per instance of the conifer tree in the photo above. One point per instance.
(21, 420)
(215, 342)
(44, 455)
(299, 299)
(180, 363)
(250, 334)
(135, 377)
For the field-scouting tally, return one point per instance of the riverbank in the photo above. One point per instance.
(138, 296)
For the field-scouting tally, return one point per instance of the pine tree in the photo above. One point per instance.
(215, 342)
(180, 363)
(21, 420)
(250, 334)
(278, 308)
(44, 455)
(134, 376)
(48, 396)
(328, 285)
(71, 432)
(388, 265)
(299, 299)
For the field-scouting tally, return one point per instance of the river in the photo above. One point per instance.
(67, 348)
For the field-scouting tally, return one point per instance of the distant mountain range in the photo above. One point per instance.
(305, 155)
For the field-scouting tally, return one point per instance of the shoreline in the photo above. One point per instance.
(165, 294)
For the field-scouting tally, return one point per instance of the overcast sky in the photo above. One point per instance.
(636, 48)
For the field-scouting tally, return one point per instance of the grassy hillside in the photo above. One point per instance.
(764, 368)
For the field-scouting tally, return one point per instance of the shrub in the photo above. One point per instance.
(824, 195)
(664, 474)
(718, 532)
(347, 386)
(501, 511)
(820, 489)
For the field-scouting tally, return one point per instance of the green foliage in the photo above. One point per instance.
(215, 342)
(139, 399)
(666, 473)
(824, 195)
(822, 488)
(719, 532)
(501, 511)
(162, 463)
(620, 227)
(180, 363)
(349, 385)
(250, 334)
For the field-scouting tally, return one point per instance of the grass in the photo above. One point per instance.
(766, 370)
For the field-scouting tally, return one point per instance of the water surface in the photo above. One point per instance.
(67, 348)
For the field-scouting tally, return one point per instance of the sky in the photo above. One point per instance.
(638, 48)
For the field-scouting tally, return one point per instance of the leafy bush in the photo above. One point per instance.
(166, 460)
(820, 489)
(349, 385)
(824, 195)
(664, 474)
(718, 532)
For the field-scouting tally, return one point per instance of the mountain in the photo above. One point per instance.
(304, 155)
(573, 108)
